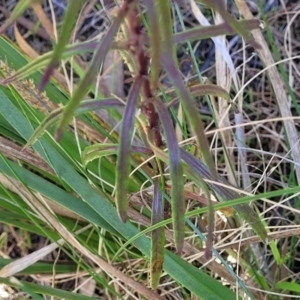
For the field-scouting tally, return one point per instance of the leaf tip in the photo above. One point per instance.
(179, 249)
(46, 77)
(123, 216)
(58, 134)
(23, 150)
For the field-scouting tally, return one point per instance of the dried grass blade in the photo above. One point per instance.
(278, 87)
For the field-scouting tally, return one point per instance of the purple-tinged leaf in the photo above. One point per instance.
(44, 59)
(91, 72)
(54, 116)
(202, 90)
(157, 236)
(244, 210)
(201, 33)
(48, 73)
(190, 110)
(230, 21)
(177, 198)
(155, 43)
(123, 162)
(205, 32)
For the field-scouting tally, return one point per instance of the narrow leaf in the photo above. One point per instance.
(202, 90)
(157, 236)
(244, 210)
(123, 163)
(44, 59)
(155, 43)
(191, 111)
(206, 287)
(68, 25)
(54, 116)
(101, 207)
(230, 21)
(44, 290)
(91, 72)
(289, 286)
(178, 207)
(16, 13)
(206, 32)
(98, 150)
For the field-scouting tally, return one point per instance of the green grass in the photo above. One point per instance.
(48, 189)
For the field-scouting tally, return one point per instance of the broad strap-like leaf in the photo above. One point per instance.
(190, 277)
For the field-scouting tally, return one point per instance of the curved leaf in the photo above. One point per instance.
(53, 117)
(202, 90)
(102, 207)
(191, 111)
(68, 25)
(91, 72)
(244, 210)
(98, 150)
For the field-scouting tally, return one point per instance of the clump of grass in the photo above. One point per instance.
(140, 178)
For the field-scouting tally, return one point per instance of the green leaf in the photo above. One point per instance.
(101, 206)
(54, 193)
(69, 22)
(289, 286)
(42, 289)
(91, 73)
(43, 267)
(54, 116)
(205, 287)
(98, 150)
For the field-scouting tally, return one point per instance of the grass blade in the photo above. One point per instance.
(123, 163)
(157, 236)
(178, 207)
